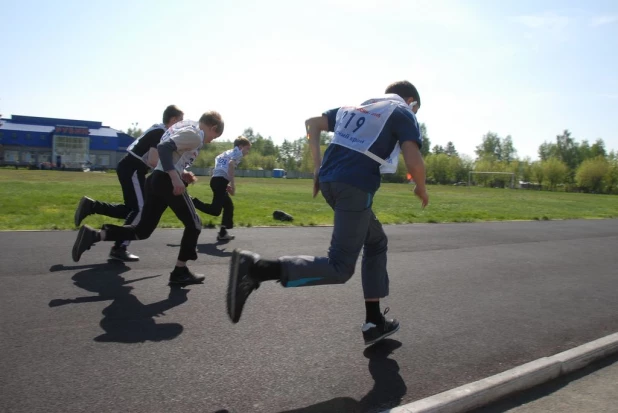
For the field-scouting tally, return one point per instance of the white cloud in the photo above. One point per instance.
(603, 20)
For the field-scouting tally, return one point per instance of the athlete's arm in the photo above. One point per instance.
(153, 157)
(166, 155)
(152, 139)
(416, 167)
(231, 168)
(315, 126)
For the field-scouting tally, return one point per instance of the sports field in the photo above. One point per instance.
(47, 200)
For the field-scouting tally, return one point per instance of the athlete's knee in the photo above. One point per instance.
(344, 276)
(377, 247)
(343, 272)
(193, 228)
(143, 231)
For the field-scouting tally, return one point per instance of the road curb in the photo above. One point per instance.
(479, 393)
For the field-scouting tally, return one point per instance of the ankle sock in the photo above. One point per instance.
(372, 310)
(265, 270)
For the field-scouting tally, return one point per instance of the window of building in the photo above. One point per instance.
(14, 135)
(73, 150)
(28, 157)
(28, 137)
(103, 160)
(45, 157)
(42, 137)
(11, 156)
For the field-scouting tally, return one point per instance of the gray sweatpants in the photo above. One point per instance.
(356, 227)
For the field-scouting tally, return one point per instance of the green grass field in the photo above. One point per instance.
(47, 200)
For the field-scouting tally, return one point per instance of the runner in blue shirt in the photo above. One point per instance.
(367, 141)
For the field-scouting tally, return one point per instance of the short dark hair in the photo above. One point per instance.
(242, 141)
(405, 90)
(213, 118)
(170, 112)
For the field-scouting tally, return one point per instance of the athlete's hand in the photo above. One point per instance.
(231, 189)
(179, 185)
(421, 193)
(188, 177)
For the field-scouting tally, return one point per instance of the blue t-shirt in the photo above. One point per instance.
(341, 164)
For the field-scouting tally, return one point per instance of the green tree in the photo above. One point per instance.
(269, 148)
(508, 152)
(598, 149)
(556, 172)
(584, 150)
(426, 141)
(547, 150)
(326, 138)
(490, 147)
(437, 168)
(450, 149)
(135, 132)
(437, 150)
(525, 170)
(592, 174)
(612, 177)
(567, 150)
(538, 172)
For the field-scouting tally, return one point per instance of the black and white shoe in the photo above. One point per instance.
(84, 208)
(225, 237)
(240, 284)
(86, 238)
(184, 276)
(121, 254)
(372, 333)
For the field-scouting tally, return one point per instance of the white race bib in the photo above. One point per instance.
(358, 128)
(186, 158)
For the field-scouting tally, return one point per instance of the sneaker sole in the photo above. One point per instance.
(185, 283)
(80, 206)
(80, 236)
(111, 257)
(390, 333)
(232, 286)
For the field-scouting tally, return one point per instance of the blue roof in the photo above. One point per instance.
(48, 125)
(105, 132)
(7, 125)
(18, 130)
(35, 120)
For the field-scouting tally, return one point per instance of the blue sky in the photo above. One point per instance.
(525, 68)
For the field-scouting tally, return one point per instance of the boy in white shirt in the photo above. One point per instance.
(166, 187)
(222, 185)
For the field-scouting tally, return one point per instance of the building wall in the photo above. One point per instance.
(28, 140)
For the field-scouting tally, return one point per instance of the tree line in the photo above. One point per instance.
(564, 163)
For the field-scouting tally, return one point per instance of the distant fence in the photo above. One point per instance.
(255, 173)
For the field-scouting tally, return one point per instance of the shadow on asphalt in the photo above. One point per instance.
(126, 319)
(387, 392)
(209, 249)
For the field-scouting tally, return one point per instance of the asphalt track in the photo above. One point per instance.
(473, 300)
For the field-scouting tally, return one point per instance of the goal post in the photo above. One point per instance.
(492, 173)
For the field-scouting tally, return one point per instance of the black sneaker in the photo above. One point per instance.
(86, 238)
(373, 333)
(84, 208)
(225, 237)
(240, 284)
(184, 276)
(121, 254)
